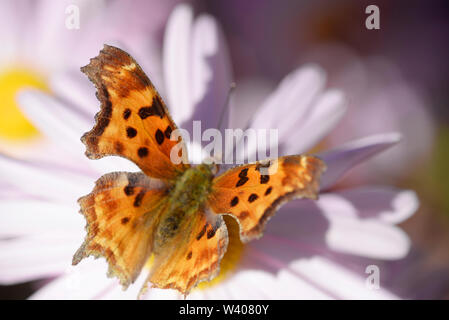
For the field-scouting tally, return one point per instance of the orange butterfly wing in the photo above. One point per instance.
(124, 210)
(133, 121)
(252, 193)
(192, 257)
(121, 213)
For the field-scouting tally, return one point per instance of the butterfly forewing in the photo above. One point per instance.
(252, 193)
(133, 121)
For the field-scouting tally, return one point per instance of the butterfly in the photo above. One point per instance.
(172, 212)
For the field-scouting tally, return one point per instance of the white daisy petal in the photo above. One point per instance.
(375, 237)
(85, 281)
(163, 294)
(77, 89)
(65, 126)
(132, 293)
(246, 285)
(290, 102)
(12, 28)
(33, 257)
(341, 282)
(340, 160)
(337, 219)
(322, 118)
(59, 123)
(321, 278)
(33, 217)
(176, 59)
(45, 180)
(289, 284)
(367, 238)
(386, 204)
(211, 73)
(286, 283)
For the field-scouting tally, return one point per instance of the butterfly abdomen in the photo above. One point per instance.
(186, 197)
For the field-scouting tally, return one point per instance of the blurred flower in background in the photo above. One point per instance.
(308, 249)
(39, 39)
(39, 49)
(396, 78)
(392, 80)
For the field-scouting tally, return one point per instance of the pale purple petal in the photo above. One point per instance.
(12, 28)
(32, 257)
(62, 125)
(299, 224)
(386, 204)
(247, 285)
(48, 181)
(248, 95)
(65, 126)
(337, 279)
(279, 281)
(314, 272)
(341, 159)
(87, 280)
(51, 42)
(162, 294)
(326, 113)
(301, 113)
(367, 238)
(351, 232)
(176, 59)
(290, 102)
(210, 73)
(76, 89)
(343, 223)
(132, 293)
(33, 217)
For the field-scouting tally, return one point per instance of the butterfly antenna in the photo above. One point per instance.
(226, 105)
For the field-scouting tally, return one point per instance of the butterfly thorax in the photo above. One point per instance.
(186, 197)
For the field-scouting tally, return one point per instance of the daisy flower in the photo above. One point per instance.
(377, 90)
(41, 38)
(310, 249)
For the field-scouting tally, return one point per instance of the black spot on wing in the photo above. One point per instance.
(168, 132)
(264, 178)
(142, 152)
(126, 114)
(131, 132)
(138, 198)
(125, 220)
(159, 136)
(253, 197)
(156, 109)
(129, 190)
(202, 232)
(268, 191)
(234, 201)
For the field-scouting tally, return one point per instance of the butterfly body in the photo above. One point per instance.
(170, 210)
(185, 198)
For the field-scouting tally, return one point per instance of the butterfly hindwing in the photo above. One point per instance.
(121, 214)
(133, 121)
(193, 256)
(252, 193)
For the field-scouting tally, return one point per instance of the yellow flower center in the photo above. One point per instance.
(13, 124)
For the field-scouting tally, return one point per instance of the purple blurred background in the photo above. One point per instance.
(396, 77)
